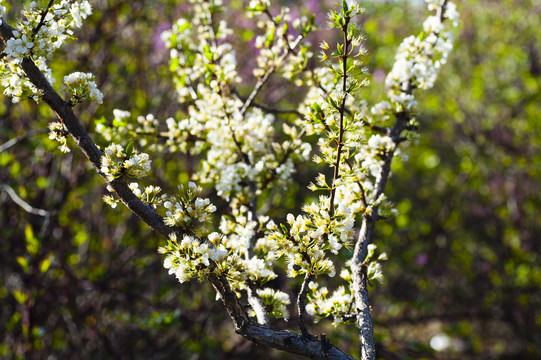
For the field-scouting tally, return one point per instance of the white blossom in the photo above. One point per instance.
(82, 87)
(55, 29)
(58, 133)
(117, 162)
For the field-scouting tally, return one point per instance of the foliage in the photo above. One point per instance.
(101, 266)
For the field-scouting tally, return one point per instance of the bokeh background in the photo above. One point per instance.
(80, 280)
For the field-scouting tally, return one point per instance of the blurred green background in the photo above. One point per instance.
(463, 280)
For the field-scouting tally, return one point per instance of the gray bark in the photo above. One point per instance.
(310, 347)
(360, 291)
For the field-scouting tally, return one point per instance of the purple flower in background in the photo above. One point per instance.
(379, 76)
(158, 45)
(421, 259)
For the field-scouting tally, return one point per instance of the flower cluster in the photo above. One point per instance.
(189, 258)
(58, 133)
(117, 162)
(238, 140)
(309, 238)
(242, 151)
(275, 302)
(197, 47)
(188, 209)
(38, 33)
(276, 42)
(149, 195)
(419, 59)
(15, 83)
(119, 132)
(81, 87)
(239, 232)
(144, 130)
(229, 252)
(321, 305)
(41, 31)
(147, 132)
(339, 304)
(373, 264)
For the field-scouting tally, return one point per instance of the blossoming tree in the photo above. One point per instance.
(248, 152)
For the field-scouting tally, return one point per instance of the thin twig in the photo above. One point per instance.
(265, 108)
(340, 143)
(23, 204)
(42, 20)
(361, 187)
(266, 76)
(301, 305)
(257, 305)
(10, 143)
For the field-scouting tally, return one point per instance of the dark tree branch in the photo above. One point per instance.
(339, 143)
(265, 335)
(301, 305)
(266, 76)
(265, 108)
(65, 114)
(42, 20)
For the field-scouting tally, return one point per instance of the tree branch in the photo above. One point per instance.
(23, 204)
(265, 108)
(18, 139)
(278, 339)
(266, 76)
(360, 291)
(301, 305)
(257, 305)
(262, 334)
(341, 131)
(65, 114)
(42, 20)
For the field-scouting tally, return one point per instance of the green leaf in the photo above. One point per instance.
(129, 149)
(333, 102)
(208, 53)
(101, 120)
(32, 243)
(339, 49)
(23, 262)
(19, 296)
(80, 237)
(119, 123)
(45, 265)
(284, 229)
